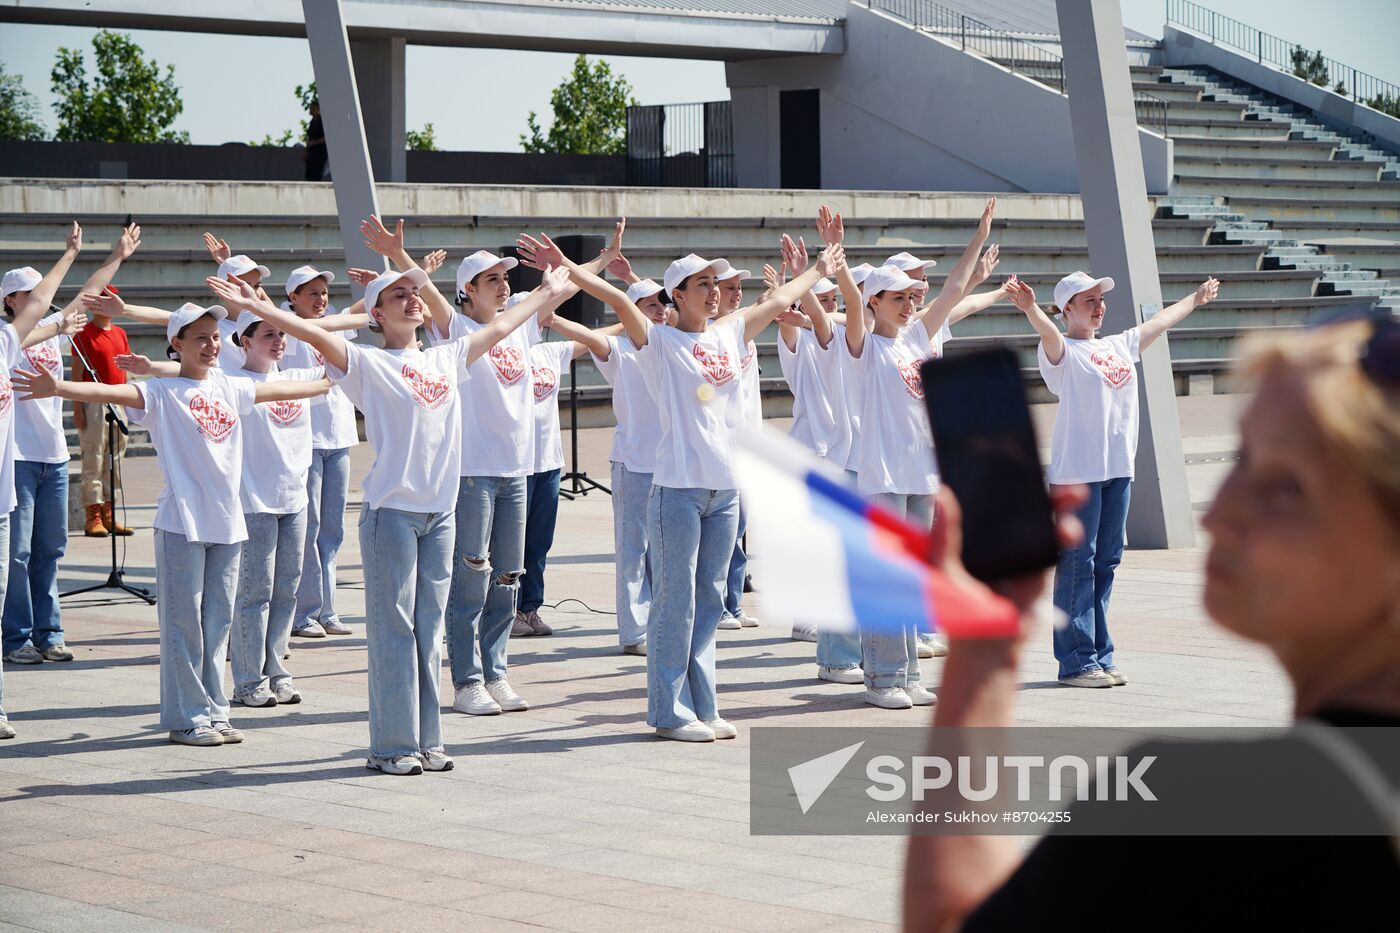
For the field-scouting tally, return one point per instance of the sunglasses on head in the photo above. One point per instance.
(1380, 355)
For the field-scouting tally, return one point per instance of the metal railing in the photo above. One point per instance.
(681, 145)
(1271, 50)
(998, 45)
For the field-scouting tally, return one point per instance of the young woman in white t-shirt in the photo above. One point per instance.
(410, 401)
(731, 298)
(196, 423)
(1094, 443)
(692, 516)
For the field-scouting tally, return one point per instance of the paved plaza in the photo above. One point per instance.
(570, 816)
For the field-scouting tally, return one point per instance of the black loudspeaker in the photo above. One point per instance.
(583, 308)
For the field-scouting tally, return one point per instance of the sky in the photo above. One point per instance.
(233, 93)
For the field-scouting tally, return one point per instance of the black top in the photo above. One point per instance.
(1182, 882)
(315, 131)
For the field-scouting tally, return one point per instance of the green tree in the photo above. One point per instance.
(590, 113)
(305, 94)
(421, 140)
(128, 100)
(19, 110)
(1385, 103)
(1310, 66)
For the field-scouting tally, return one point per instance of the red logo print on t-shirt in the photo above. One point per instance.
(1116, 370)
(913, 382)
(316, 355)
(746, 361)
(545, 382)
(717, 367)
(7, 395)
(46, 356)
(284, 413)
(429, 389)
(509, 364)
(213, 418)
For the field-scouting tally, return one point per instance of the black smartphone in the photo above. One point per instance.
(985, 444)
(126, 223)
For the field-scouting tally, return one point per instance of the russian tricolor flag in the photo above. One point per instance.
(839, 563)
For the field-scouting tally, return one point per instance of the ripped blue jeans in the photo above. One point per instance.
(487, 561)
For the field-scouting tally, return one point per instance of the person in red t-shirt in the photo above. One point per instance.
(100, 342)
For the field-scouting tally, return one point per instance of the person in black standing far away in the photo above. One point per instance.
(315, 154)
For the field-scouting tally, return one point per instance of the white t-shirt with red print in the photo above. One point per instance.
(695, 380)
(411, 403)
(846, 383)
(638, 415)
(10, 358)
(814, 423)
(750, 394)
(548, 364)
(197, 427)
(896, 446)
(277, 448)
(332, 415)
(1096, 426)
(39, 422)
(498, 403)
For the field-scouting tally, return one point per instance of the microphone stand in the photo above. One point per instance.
(116, 575)
(579, 482)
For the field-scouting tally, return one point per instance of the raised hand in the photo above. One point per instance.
(538, 254)
(363, 277)
(1022, 296)
(831, 259)
(133, 363)
(791, 317)
(621, 268)
(128, 242)
(1207, 291)
(614, 249)
(74, 239)
(830, 226)
(218, 249)
(987, 264)
(790, 253)
(34, 385)
(984, 226)
(432, 262)
(72, 322)
(799, 265)
(109, 303)
(378, 238)
(234, 294)
(555, 280)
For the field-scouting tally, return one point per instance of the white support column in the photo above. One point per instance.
(379, 75)
(1118, 226)
(345, 133)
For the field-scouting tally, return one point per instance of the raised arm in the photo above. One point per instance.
(390, 246)
(1023, 297)
(110, 304)
(633, 320)
(36, 306)
(761, 315)
(102, 276)
(971, 304)
(288, 390)
(139, 365)
(553, 289)
(240, 296)
(958, 280)
(42, 384)
(68, 324)
(1169, 317)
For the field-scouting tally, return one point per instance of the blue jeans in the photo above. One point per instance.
(839, 651)
(692, 534)
(327, 485)
(893, 660)
(4, 573)
(38, 538)
(738, 567)
(487, 561)
(1084, 579)
(195, 583)
(633, 597)
(541, 513)
(268, 571)
(406, 586)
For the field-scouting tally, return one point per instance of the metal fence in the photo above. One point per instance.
(681, 145)
(1267, 49)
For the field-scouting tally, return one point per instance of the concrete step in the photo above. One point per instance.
(1374, 256)
(1190, 111)
(1279, 169)
(1283, 209)
(1163, 90)
(1322, 191)
(1279, 150)
(1226, 129)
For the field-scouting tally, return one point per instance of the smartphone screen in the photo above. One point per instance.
(986, 449)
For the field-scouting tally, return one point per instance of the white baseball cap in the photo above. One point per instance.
(516, 298)
(187, 314)
(385, 279)
(19, 280)
(303, 274)
(740, 274)
(909, 262)
(477, 263)
(683, 268)
(1077, 282)
(885, 279)
(861, 272)
(240, 265)
(823, 286)
(643, 289)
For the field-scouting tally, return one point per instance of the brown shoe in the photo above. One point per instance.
(93, 526)
(109, 519)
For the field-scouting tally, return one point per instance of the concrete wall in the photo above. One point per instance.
(901, 109)
(1182, 48)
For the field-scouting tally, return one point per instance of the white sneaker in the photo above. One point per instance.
(693, 731)
(888, 698)
(802, 632)
(434, 760)
(727, 621)
(639, 649)
(259, 697)
(475, 701)
(1089, 679)
(920, 695)
(746, 620)
(403, 765)
(204, 736)
(924, 649)
(310, 630)
(336, 627)
(841, 675)
(938, 642)
(509, 700)
(1119, 678)
(286, 692)
(722, 728)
